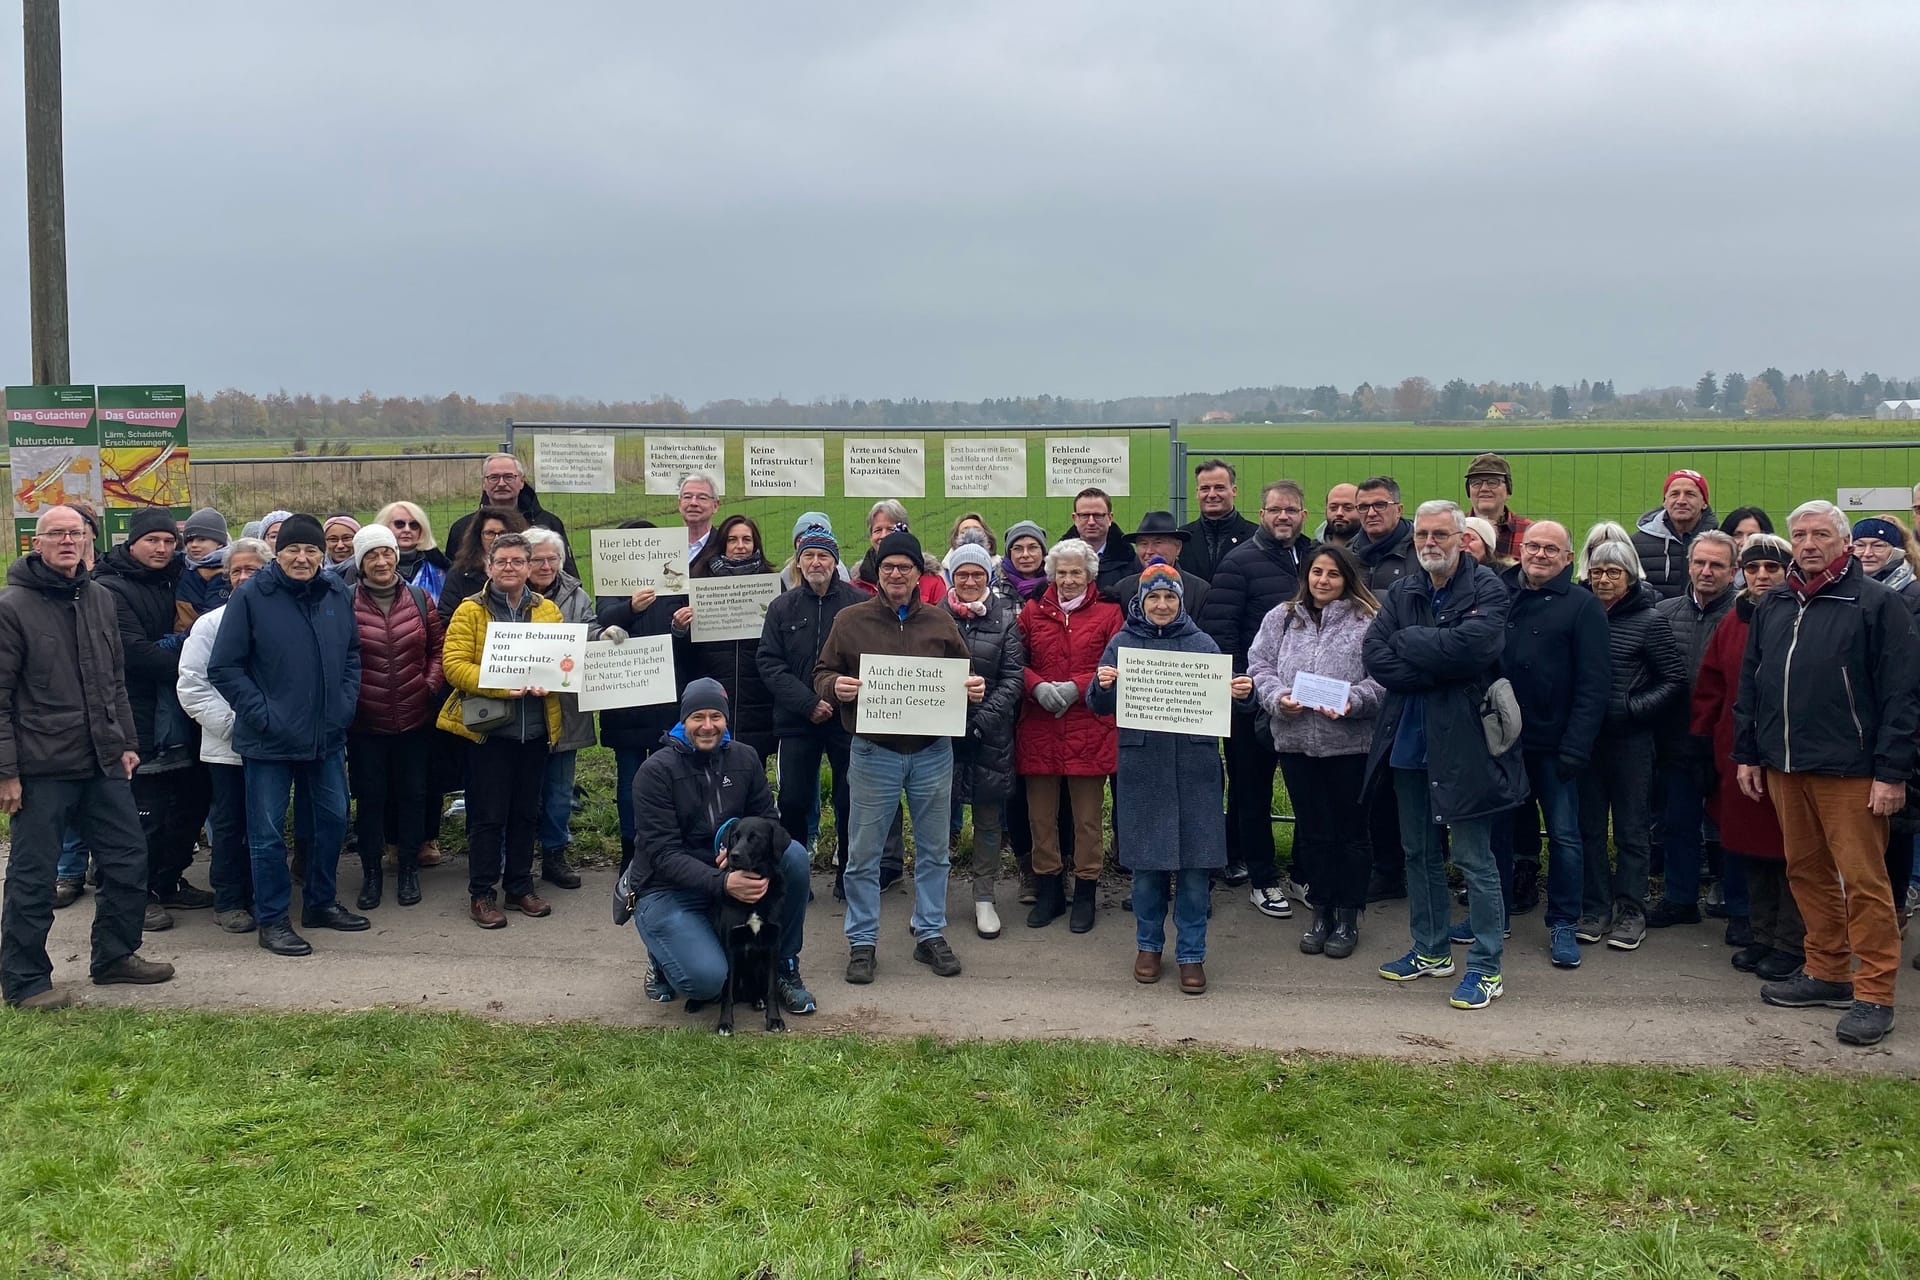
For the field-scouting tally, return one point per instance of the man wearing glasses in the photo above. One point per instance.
(504, 484)
(699, 500)
(1093, 524)
(67, 756)
(1489, 486)
(1384, 546)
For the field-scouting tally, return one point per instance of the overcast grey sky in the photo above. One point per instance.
(960, 199)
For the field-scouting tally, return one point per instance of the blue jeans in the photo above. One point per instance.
(230, 866)
(556, 800)
(1428, 903)
(677, 928)
(1560, 809)
(876, 776)
(1686, 810)
(269, 784)
(1189, 888)
(73, 858)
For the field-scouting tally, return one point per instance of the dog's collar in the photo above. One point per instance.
(720, 836)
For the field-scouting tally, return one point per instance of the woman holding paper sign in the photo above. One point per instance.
(733, 550)
(1323, 750)
(506, 767)
(1173, 828)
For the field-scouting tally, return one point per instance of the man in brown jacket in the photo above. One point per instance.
(896, 622)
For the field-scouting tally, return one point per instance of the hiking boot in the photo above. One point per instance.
(46, 1001)
(156, 918)
(1414, 965)
(860, 965)
(1386, 887)
(238, 920)
(66, 892)
(1270, 902)
(658, 989)
(486, 914)
(528, 904)
(1739, 931)
(1193, 979)
(430, 855)
(278, 937)
(1865, 1023)
(1086, 895)
(1629, 928)
(1346, 933)
(1476, 991)
(1778, 966)
(1314, 940)
(1049, 902)
(1029, 890)
(1804, 991)
(791, 991)
(1747, 959)
(184, 897)
(1664, 914)
(1235, 874)
(333, 916)
(1146, 967)
(555, 870)
(1562, 947)
(406, 886)
(372, 885)
(133, 968)
(938, 956)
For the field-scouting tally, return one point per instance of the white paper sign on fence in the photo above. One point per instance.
(883, 468)
(1176, 692)
(548, 654)
(1867, 501)
(921, 696)
(978, 468)
(670, 459)
(1088, 462)
(573, 464)
(785, 466)
(637, 673)
(625, 560)
(731, 608)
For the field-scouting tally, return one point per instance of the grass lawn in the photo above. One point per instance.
(392, 1144)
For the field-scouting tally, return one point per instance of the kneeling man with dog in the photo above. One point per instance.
(708, 899)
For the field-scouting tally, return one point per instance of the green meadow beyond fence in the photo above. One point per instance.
(1581, 486)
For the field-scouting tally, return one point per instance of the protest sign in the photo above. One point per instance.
(635, 673)
(143, 453)
(883, 468)
(1176, 692)
(573, 464)
(1320, 693)
(670, 459)
(918, 696)
(731, 608)
(53, 449)
(1088, 462)
(625, 560)
(978, 468)
(785, 466)
(548, 654)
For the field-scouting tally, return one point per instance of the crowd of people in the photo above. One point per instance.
(1703, 703)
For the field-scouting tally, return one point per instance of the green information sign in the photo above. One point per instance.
(53, 452)
(143, 453)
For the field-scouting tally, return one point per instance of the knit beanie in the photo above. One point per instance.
(205, 523)
(816, 537)
(1483, 527)
(809, 520)
(1765, 546)
(968, 553)
(369, 537)
(704, 694)
(342, 518)
(1699, 482)
(1025, 529)
(1885, 530)
(1161, 576)
(899, 543)
(150, 520)
(272, 518)
(298, 530)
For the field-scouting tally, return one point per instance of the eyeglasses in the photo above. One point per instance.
(1283, 511)
(1092, 515)
(1371, 508)
(1596, 572)
(1434, 535)
(897, 570)
(1773, 565)
(492, 476)
(1485, 482)
(509, 562)
(696, 496)
(1545, 549)
(545, 560)
(398, 523)
(63, 535)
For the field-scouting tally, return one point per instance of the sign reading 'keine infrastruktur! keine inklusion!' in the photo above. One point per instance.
(785, 466)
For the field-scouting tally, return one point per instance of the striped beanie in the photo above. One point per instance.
(1161, 576)
(816, 537)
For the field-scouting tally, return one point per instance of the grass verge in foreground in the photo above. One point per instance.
(388, 1144)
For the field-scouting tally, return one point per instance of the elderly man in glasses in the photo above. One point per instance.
(504, 483)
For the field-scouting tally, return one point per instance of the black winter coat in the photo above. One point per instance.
(1388, 560)
(143, 601)
(1649, 685)
(1694, 626)
(1256, 576)
(1663, 553)
(1558, 660)
(63, 684)
(1116, 562)
(797, 625)
(681, 797)
(983, 760)
(1449, 657)
(1210, 543)
(1831, 686)
(638, 728)
(529, 506)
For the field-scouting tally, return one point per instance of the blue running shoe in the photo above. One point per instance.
(793, 994)
(1462, 934)
(1414, 965)
(658, 989)
(1476, 991)
(1564, 947)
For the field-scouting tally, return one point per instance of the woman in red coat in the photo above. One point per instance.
(1066, 628)
(1748, 828)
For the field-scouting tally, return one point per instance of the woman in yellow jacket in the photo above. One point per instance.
(506, 766)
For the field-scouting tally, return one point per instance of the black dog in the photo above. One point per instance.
(750, 931)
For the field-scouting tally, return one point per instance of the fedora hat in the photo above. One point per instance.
(1159, 523)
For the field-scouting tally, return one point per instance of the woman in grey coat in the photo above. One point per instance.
(1323, 754)
(1173, 830)
(545, 575)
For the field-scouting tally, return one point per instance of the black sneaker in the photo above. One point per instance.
(860, 965)
(1803, 991)
(889, 877)
(937, 955)
(184, 897)
(1748, 958)
(658, 989)
(1235, 873)
(1865, 1023)
(1778, 966)
(1664, 914)
(1739, 931)
(333, 916)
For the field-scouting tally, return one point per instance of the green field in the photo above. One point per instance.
(394, 1144)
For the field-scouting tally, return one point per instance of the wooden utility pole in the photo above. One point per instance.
(46, 195)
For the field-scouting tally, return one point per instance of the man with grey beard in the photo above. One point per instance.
(797, 625)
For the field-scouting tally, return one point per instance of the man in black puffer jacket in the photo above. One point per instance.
(1255, 576)
(1662, 535)
(171, 786)
(983, 760)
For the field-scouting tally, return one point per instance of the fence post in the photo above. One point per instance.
(508, 446)
(1177, 473)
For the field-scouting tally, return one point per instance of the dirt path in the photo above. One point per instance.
(1675, 1001)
